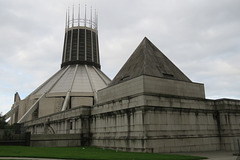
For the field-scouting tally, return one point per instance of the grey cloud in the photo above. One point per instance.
(200, 37)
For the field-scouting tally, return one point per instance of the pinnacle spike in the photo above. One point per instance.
(73, 16)
(68, 18)
(91, 17)
(79, 14)
(85, 21)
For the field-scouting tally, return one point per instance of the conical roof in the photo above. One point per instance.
(76, 79)
(147, 59)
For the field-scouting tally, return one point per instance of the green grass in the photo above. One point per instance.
(86, 153)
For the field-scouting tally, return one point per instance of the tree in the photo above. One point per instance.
(8, 130)
(3, 123)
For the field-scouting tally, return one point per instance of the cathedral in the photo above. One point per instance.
(149, 106)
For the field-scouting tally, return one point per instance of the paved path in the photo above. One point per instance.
(217, 155)
(24, 158)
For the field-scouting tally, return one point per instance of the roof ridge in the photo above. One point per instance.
(144, 54)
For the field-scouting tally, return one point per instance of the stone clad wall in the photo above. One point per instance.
(138, 118)
(145, 123)
(117, 125)
(229, 119)
(172, 87)
(124, 89)
(71, 121)
(24, 105)
(150, 120)
(50, 106)
(159, 124)
(150, 84)
(53, 140)
(181, 125)
(67, 128)
(119, 130)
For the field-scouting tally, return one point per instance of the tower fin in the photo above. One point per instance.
(17, 97)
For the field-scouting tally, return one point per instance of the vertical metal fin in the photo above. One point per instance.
(66, 26)
(73, 16)
(84, 48)
(78, 14)
(91, 18)
(85, 20)
(68, 18)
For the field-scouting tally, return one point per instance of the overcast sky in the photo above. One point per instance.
(202, 38)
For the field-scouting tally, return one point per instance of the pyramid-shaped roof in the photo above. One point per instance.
(147, 59)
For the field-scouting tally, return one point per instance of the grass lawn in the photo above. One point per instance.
(85, 153)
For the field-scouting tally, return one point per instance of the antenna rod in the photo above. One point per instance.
(97, 21)
(78, 14)
(66, 25)
(85, 21)
(91, 17)
(68, 18)
(73, 16)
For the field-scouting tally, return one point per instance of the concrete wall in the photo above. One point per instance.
(146, 123)
(229, 120)
(55, 140)
(24, 105)
(163, 116)
(136, 116)
(181, 130)
(81, 101)
(149, 84)
(15, 139)
(173, 87)
(49, 106)
(156, 124)
(122, 130)
(128, 88)
(72, 121)
(14, 117)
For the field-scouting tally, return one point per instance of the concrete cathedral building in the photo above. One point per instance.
(150, 105)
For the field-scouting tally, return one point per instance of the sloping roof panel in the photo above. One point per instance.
(74, 78)
(147, 59)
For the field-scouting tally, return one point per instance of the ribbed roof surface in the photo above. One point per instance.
(147, 59)
(74, 78)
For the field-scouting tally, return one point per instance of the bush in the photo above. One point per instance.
(3, 123)
(7, 130)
